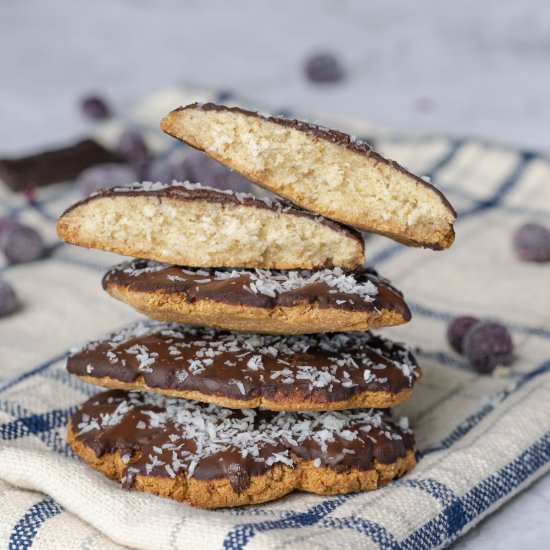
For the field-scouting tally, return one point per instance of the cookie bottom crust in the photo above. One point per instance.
(363, 400)
(299, 319)
(275, 483)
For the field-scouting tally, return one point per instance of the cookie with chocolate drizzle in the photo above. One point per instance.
(239, 370)
(265, 301)
(212, 457)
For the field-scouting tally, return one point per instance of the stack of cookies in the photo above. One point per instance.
(258, 375)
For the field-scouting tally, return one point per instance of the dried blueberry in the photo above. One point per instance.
(457, 329)
(104, 176)
(532, 243)
(132, 147)
(324, 67)
(95, 107)
(169, 168)
(7, 222)
(488, 344)
(203, 169)
(21, 243)
(8, 298)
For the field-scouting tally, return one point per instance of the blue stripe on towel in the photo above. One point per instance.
(240, 535)
(26, 529)
(376, 532)
(32, 372)
(426, 311)
(495, 200)
(473, 420)
(35, 424)
(482, 497)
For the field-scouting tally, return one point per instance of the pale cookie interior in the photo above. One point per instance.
(207, 234)
(318, 175)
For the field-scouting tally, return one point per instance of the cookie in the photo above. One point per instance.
(322, 170)
(265, 301)
(189, 224)
(238, 370)
(212, 457)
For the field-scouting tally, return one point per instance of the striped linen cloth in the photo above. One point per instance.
(481, 439)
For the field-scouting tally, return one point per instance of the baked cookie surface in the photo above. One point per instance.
(212, 457)
(239, 370)
(322, 170)
(265, 301)
(189, 224)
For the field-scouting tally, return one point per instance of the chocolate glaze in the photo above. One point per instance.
(187, 191)
(333, 136)
(54, 165)
(319, 368)
(234, 286)
(163, 437)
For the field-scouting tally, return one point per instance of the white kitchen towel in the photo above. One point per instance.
(481, 439)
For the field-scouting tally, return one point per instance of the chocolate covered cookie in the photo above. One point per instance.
(189, 224)
(322, 170)
(266, 301)
(239, 370)
(212, 457)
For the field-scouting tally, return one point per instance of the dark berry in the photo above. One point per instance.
(324, 67)
(132, 147)
(7, 222)
(21, 243)
(169, 168)
(95, 107)
(532, 243)
(203, 169)
(8, 298)
(104, 176)
(424, 104)
(224, 95)
(457, 329)
(487, 345)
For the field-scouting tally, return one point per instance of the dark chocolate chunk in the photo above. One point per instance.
(54, 165)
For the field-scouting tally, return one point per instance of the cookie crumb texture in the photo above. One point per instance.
(321, 170)
(188, 224)
(212, 457)
(264, 301)
(237, 370)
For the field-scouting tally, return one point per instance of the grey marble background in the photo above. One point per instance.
(468, 68)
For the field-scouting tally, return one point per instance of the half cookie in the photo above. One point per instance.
(237, 370)
(319, 169)
(189, 224)
(213, 457)
(283, 302)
